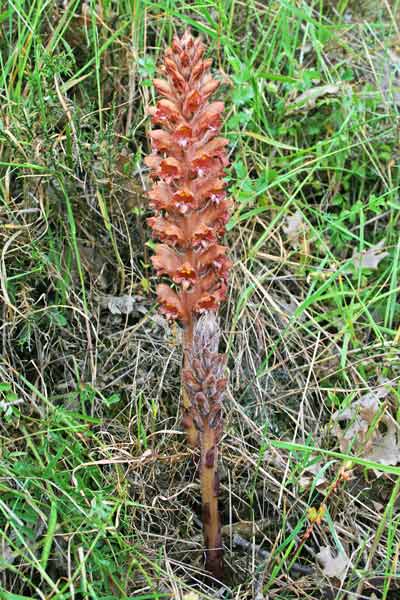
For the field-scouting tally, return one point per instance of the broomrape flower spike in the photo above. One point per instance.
(191, 209)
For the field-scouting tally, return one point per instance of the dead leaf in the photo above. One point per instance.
(385, 449)
(123, 305)
(294, 228)
(370, 259)
(360, 415)
(387, 66)
(376, 445)
(7, 556)
(378, 506)
(308, 99)
(284, 306)
(273, 457)
(335, 567)
(312, 474)
(95, 263)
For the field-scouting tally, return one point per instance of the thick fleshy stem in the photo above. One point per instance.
(209, 497)
(192, 434)
(205, 383)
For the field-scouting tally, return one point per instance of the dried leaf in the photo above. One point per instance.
(375, 445)
(294, 228)
(123, 305)
(7, 556)
(387, 68)
(334, 567)
(370, 259)
(312, 473)
(286, 306)
(385, 449)
(308, 99)
(94, 260)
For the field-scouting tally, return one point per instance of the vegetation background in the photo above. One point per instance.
(98, 493)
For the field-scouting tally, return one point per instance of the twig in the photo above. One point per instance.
(239, 541)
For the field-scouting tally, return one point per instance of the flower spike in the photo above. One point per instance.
(190, 213)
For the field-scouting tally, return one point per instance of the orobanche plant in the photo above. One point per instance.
(191, 210)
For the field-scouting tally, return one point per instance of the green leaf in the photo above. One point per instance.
(113, 399)
(242, 94)
(5, 387)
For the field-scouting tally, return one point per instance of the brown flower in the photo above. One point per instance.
(189, 197)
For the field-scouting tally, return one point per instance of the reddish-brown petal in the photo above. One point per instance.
(222, 265)
(218, 214)
(178, 80)
(165, 111)
(197, 71)
(187, 40)
(204, 161)
(209, 88)
(221, 291)
(163, 88)
(185, 275)
(165, 261)
(170, 169)
(170, 64)
(163, 198)
(211, 124)
(202, 164)
(184, 200)
(216, 147)
(176, 45)
(208, 282)
(211, 300)
(192, 102)
(220, 211)
(204, 189)
(210, 119)
(199, 51)
(162, 141)
(206, 302)
(183, 134)
(159, 196)
(170, 303)
(203, 236)
(210, 256)
(166, 231)
(184, 58)
(204, 227)
(207, 63)
(152, 161)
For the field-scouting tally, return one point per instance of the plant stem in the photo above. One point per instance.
(192, 435)
(205, 383)
(209, 495)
